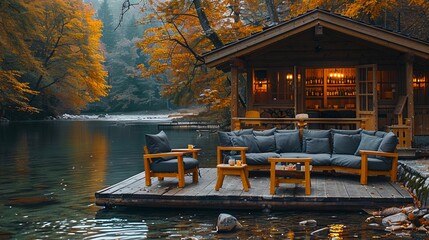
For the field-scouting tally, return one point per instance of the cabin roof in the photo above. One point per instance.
(317, 17)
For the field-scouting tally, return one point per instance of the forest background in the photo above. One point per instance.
(69, 56)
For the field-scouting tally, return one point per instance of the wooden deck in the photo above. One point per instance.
(328, 191)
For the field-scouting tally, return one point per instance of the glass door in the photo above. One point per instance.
(366, 95)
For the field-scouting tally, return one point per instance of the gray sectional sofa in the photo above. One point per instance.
(361, 152)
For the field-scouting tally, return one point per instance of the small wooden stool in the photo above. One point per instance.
(226, 169)
(290, 176)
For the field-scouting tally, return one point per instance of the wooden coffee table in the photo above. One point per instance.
(279, 175)
(235, 170)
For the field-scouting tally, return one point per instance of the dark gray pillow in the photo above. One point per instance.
(314, 134)
(266, 143)
(225, 137)
(346, 132)
(388, 144)
(286, 130)
(317, 145)
(248, 141)
(345, 144)
(368, 142)
(158, 143)
(287, 142)
(368, 132)
(268, 132)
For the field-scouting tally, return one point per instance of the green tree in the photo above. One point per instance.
(109, 36)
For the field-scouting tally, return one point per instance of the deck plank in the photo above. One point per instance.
(327, 191)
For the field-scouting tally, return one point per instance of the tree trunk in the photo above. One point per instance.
(208, 30)
(274, 17)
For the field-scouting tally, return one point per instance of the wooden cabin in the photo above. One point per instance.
(330, 67)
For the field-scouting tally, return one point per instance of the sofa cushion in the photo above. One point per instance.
(287, 142)
(266, 143)
(267, 132)
(225, 137)
(345, 144)
(368, 142)
(258, 158)
(171, 165)
(322, 159)
(346, 131)
(286, 130)
(352, 161)
(158, 143)
(317, 145)
(248, 141)
(313, 134)
(388, 144)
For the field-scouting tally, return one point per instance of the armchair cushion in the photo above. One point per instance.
(158, 143)
(171, 165)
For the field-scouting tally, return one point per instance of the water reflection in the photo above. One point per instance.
(49, 172)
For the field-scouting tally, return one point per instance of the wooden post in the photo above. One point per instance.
(234, 93)
(410, 90)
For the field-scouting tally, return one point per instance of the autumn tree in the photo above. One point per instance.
(55, 52)
(14, 57)
(186, 30)
(191, 27)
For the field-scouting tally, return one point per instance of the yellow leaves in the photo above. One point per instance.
(14, 93)
(61, 55)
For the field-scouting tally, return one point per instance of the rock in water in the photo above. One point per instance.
(227, 223)
(394, 219)
(311, 223)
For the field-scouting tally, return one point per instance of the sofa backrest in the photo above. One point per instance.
(333, 141)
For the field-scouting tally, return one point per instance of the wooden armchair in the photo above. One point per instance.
(170, 162)
(176, 167)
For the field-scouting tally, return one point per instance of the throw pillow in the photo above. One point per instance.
(314, 134)
(157, 143)
(345, 144)
(287, 142)
(248, 141)
(388, 144)
(225, 137)
(268, 132)
(368, 142)
(317, 145)
(266, 143)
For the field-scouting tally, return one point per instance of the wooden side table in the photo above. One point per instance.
(226, 169)
(278, 176)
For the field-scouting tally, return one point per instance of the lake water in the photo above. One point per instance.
(50, 170)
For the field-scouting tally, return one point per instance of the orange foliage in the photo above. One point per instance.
(176, 41)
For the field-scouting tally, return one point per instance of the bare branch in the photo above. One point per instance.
(126, 6)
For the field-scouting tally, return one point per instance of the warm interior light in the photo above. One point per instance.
(419, 81)
(336, 74)
(289, 76)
